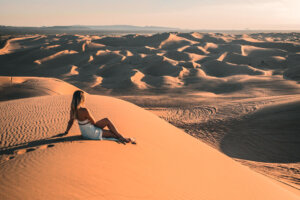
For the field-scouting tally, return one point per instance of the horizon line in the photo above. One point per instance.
(153, 26)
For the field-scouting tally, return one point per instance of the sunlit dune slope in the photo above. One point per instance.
(165, 164)
(262, 133)
(21, 87)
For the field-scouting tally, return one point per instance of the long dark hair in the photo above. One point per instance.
(77, 101)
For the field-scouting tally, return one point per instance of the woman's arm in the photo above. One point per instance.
(70, 123)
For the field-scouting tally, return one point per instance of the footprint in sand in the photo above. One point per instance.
(46, 146)
(30, 149)
(11, 157)
(23, 151)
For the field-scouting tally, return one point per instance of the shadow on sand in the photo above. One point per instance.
(29, 146)
(269, 135)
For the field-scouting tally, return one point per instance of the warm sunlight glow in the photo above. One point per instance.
(188, 14)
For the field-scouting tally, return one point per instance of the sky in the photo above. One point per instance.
(185, 14)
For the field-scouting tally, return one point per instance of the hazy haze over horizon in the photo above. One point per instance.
(188, 14)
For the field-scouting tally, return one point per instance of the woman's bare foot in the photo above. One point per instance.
(132, 140)
(128, 140)
(124, 140)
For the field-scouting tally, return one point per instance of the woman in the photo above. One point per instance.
(88, 127)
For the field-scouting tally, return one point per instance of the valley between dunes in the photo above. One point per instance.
(216, 116)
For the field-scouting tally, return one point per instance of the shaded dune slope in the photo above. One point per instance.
(268, 135)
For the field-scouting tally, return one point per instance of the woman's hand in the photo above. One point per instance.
(70, 123)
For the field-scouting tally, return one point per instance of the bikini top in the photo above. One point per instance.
(84, 122)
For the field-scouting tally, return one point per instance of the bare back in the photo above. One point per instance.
(83, 114)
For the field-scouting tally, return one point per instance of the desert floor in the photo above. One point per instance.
(239, 94)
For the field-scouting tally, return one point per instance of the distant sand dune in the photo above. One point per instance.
(73, 71)
(137, 80)
(116, 60)
(54, 56)
(15, 44)
(262, 52)
(222, 69)
(51, 46)
(21, 87)
(195, 49)
(175, 42)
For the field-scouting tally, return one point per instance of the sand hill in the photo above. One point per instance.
(261, 132)
(238, 94)
(166, 163)
(21, 87)
(160, 62)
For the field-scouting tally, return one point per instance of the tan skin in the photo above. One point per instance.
(83, 114)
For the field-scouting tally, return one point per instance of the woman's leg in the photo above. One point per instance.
(108, 134)
(106, 122)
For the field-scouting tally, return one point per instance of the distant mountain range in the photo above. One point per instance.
(104, 28)
(110, 27)
(114, 29)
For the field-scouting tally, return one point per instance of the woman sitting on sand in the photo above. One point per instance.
(88, 127)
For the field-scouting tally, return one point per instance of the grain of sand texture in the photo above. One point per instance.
(237, 95)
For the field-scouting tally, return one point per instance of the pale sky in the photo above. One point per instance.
(185, 14)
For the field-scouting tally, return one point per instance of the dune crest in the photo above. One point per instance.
(174, 41)
(24, 87)
(12, 45)
(73, 71)
(56, 55)
(137, 80)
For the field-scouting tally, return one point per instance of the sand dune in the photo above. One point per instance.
(174, 41)
(166, 163)
(220, 56)
(262, 133)
(273, 124)
(21, 87)
(262, 52)
(137, 80)
(73, 71)
(51, 46)
(16, 44)
(54, 56)
(237, 93)
(195, 49)
(222, 69)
